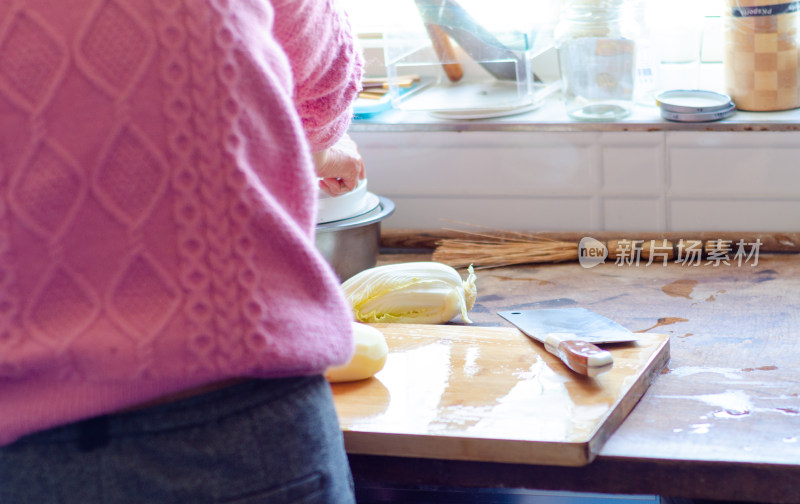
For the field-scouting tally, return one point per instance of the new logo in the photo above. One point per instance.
(591, 252)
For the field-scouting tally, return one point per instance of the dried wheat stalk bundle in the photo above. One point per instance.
(494, 250)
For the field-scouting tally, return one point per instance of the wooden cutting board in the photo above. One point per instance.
(490, 394)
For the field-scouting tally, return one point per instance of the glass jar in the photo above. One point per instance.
(762, 55)
(648, 55)
(597, 56)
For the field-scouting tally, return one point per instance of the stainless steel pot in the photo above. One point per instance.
(352, 245)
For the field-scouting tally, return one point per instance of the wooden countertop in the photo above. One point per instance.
(722, 421)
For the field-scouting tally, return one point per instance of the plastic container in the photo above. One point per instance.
(597, 56)
(761, 54)
(473, 58)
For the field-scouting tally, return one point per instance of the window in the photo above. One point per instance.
(686, 36)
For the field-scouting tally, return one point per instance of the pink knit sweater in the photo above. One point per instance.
(157, 198)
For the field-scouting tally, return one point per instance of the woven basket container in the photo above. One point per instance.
(761, 54)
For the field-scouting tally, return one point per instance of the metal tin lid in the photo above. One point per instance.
(693, 101)
(714, 115)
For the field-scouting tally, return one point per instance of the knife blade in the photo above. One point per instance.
(572, 334)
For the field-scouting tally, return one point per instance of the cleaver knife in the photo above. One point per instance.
(572, 334)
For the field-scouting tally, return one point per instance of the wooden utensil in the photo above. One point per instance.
(445, 52)
(477, 41)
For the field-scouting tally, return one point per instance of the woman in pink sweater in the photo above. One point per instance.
(165, 316)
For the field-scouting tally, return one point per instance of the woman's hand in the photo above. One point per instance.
(339, 167)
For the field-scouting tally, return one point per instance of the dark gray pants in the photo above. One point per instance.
(262, 441)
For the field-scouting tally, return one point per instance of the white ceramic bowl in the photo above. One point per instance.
(346, 206)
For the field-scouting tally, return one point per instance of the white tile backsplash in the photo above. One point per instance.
(511, 213)
(735, 214)
(744, 170)
(634, 214)
(634, 167)
(589, 181)
(480, 171)
(480, 164)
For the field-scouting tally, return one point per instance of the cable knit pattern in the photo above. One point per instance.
(316, 97)
(157, 198)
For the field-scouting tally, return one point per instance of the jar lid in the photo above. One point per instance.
(693, 101)
(714, 115)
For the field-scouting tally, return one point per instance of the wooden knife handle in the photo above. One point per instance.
(445, 52)
(580, 356)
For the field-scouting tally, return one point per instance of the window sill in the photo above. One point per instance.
(551, 117)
